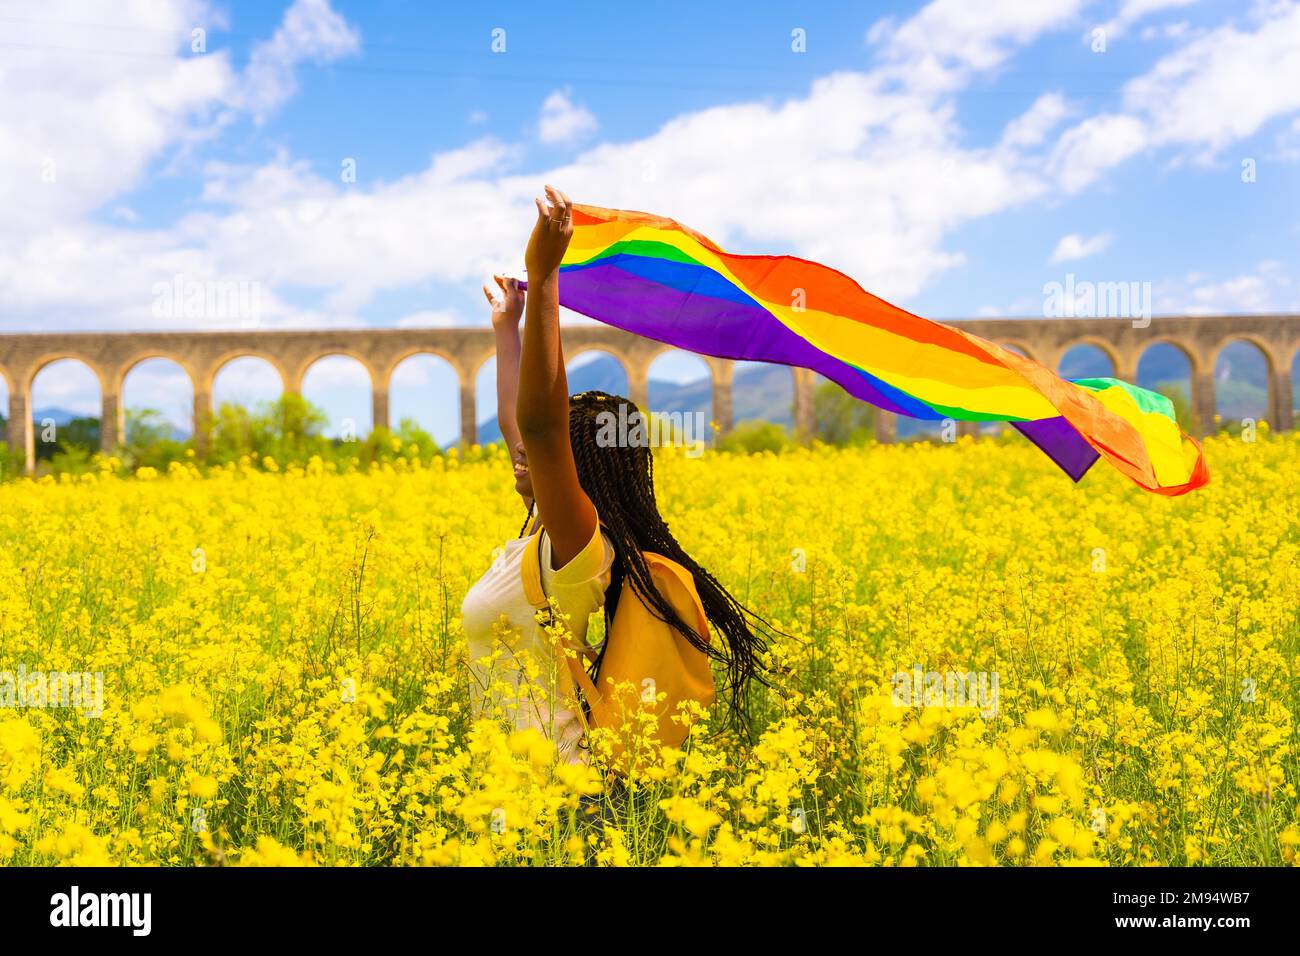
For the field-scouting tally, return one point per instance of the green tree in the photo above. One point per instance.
(288, 429)
(752, 437)
(11, 462)
(70, 459)
(841, 419)
(411, 434)
(149, 441)
(385, 445)
(80, 437)
(146, 426)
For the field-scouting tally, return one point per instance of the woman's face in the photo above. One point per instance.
(523, 483)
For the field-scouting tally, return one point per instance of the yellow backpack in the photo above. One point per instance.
(646, 659)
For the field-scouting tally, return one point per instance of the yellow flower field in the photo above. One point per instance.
(284, 671)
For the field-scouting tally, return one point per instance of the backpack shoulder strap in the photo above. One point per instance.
(530, 572)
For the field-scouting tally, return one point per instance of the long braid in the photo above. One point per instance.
(619, 480)
(527, 519)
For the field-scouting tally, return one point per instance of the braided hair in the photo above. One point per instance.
(619, 480)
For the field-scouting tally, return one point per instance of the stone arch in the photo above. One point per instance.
(453, 357)
(7, 390)
(385, 377)
(129, 365)
(106, 415)
(625, 366)
(1089, 341)
(399, 403)
(1179, 387)
(316, 356)
(661, 349)
(223, 368)
(18, 412)
(216, 365)
(346, 425)
(716, 373)
(1187, 350)
(132, 364)
(1235, 402)
(1263, 347)
(468, 366)
(50, 358)
(473, 365)
(1291, 389)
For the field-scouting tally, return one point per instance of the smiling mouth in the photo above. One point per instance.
(521, 469)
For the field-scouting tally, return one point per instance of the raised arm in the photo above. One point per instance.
(543, 403)
(506, 313)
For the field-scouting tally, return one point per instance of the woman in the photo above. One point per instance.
(593, 504)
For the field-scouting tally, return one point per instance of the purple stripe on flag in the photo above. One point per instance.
(1062, 443)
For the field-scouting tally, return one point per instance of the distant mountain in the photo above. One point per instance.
(60, 416)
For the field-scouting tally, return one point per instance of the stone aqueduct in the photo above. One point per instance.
(111, 356)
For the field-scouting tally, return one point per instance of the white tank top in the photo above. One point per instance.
(513, 669)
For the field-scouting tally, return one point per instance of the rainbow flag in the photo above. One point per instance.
(657, 278)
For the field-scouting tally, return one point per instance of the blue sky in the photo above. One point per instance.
(954, 157)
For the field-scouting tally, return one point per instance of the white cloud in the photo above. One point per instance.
(1169, 31)
(87, 109)
(1223, 86)
(563, 121)
(1087, 150)
(87, 128)
(1266, 288)
(947, 39)
(246, 381)
(1217, 89)
(1288, 143)
(1075, 246)
(1133, 10)
(310, 32)
(1032, 126)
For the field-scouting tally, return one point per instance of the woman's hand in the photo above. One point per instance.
(507, 310)
(551, 234)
